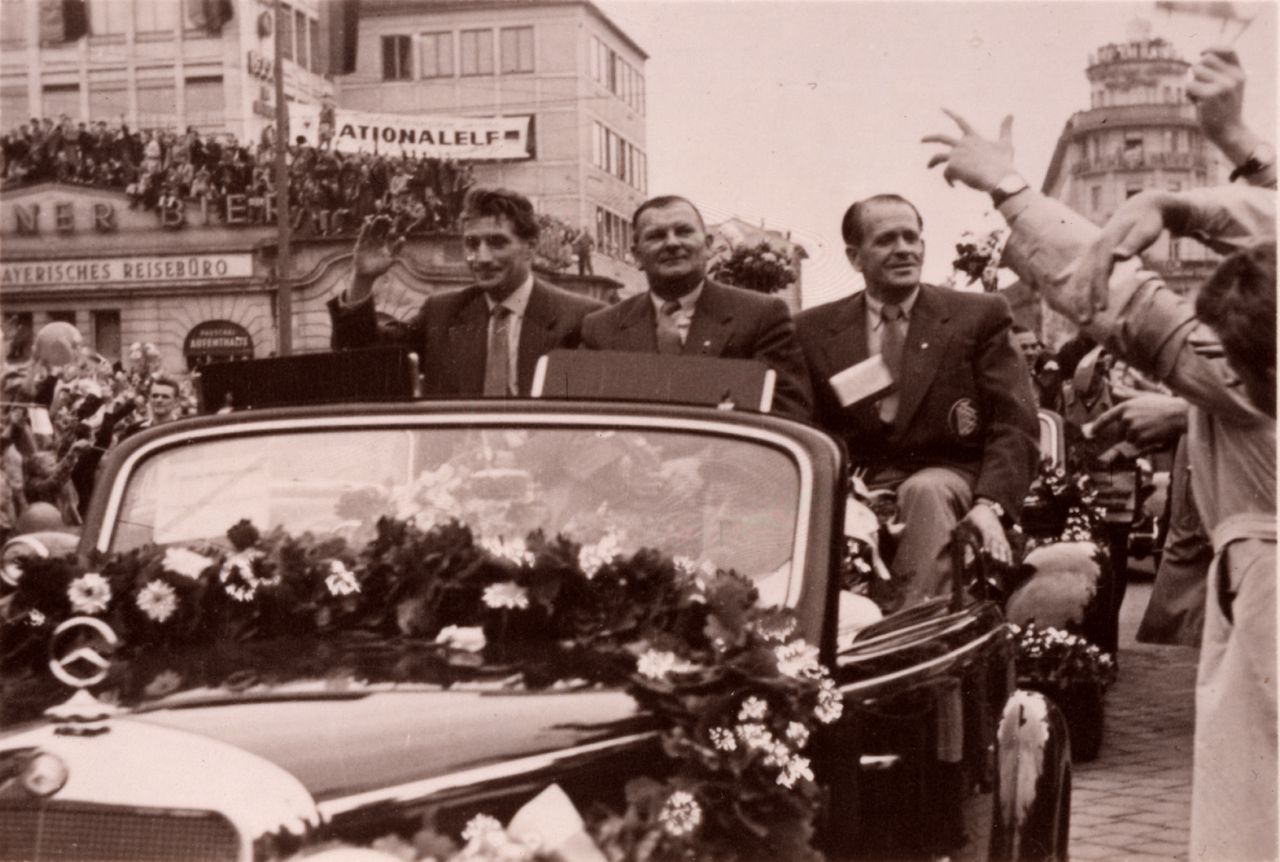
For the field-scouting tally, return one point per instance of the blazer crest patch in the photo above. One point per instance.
(963, 418)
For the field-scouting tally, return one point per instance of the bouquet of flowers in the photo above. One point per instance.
(1052, 659)
(758, 267)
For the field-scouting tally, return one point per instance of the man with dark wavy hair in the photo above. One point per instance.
(483, 340)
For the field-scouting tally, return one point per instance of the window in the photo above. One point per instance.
(62, 99)
(640, 96)
(157, 104)
(13, 25)
(517, 49)
(13, 103)
(108, 16)
(106, 333)
(19, 332)
(286, 32)
(437, 55)
(62, 317)
(107, 101)
(313, 38)
(597, 145)
(1132, 154)
(1095, 198)
(155, 16)
(476, 47)
(395, 58)
(205, 104)
(593, 59)
(301, 54)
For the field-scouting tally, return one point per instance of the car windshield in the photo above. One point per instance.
(719, 502)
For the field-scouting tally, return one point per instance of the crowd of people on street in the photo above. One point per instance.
(62, 409)
(330, 192)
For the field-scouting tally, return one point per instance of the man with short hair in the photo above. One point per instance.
(483, 340)
(163, 399)
(956, 434)
(688, 314)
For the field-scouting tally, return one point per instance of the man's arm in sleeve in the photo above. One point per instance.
(776, 345)
(1144, 321)
(1011, 448)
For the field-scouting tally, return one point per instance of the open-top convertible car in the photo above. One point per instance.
(338, 630)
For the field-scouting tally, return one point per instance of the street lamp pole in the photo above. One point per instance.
(284, 295)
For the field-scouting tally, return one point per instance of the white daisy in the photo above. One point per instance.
(513, 550)
(798, 733)
(798, 659)
(722, 738)
(89, 594)
(753, 709)
(157, 600)
(507, 594)
(591, 558)
(755, 736)
(341, 580)
(830, 705)
(35, 618)
(187, 563)
(793, 770)
(480, 827)
(681, 814)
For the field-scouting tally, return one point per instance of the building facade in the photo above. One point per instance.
(1139, 133)
(201, 282)
(562, 62)
(160, 64)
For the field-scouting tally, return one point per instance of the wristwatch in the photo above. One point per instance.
(1262, 157)
(1009, 185)
(993, 506)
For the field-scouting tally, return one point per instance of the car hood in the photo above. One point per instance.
(338, 746)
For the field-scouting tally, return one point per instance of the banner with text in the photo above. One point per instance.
(461, 138)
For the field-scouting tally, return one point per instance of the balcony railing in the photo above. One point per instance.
(1140, 161)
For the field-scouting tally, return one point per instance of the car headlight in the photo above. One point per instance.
(44, 774)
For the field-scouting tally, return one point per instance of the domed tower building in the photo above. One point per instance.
(1139, 133)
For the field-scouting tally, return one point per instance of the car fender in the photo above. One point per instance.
(1033, 780)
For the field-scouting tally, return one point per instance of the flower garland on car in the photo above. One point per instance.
(1049, 658)
(737, 694)
(759, 267)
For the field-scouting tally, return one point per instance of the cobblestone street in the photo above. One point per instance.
(1134, 802)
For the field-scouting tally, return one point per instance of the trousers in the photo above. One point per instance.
(931, 502)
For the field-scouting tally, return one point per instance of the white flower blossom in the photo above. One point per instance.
(157, 600)
(830, 705)
(514, 550)
(35, 618)
(755, 736)
(467, 638)
(798, 659)
(184, 562)
(753, 709)
(237, 575)
(591, 558)
(777, 754)
(341, 580)
(798, 733)
(656, 664)
(480, 827)
(89, 593)
(722, 738)
(793, 770)
(507, 594)
(681, 814)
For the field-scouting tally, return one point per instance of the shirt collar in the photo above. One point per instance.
(874, 307)
(517, 302)
(687, 302)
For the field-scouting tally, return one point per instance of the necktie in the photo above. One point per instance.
(892, 339)
(669, 340)
(497, 363)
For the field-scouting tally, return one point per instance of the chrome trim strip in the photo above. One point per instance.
(429, 420)
(418, 790)
(916, 669)
(935, 627)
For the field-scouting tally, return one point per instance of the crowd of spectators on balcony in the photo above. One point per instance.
(330, 192)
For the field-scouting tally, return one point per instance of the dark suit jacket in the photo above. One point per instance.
(451, 334)
(727, 322)
(965, 397)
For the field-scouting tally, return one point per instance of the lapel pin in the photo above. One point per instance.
(924, 345)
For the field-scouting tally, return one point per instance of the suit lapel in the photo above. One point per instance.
(469, 344)
(636, 326)
(536, 335)
(711, 328)
(846, 346)
(925, 348)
